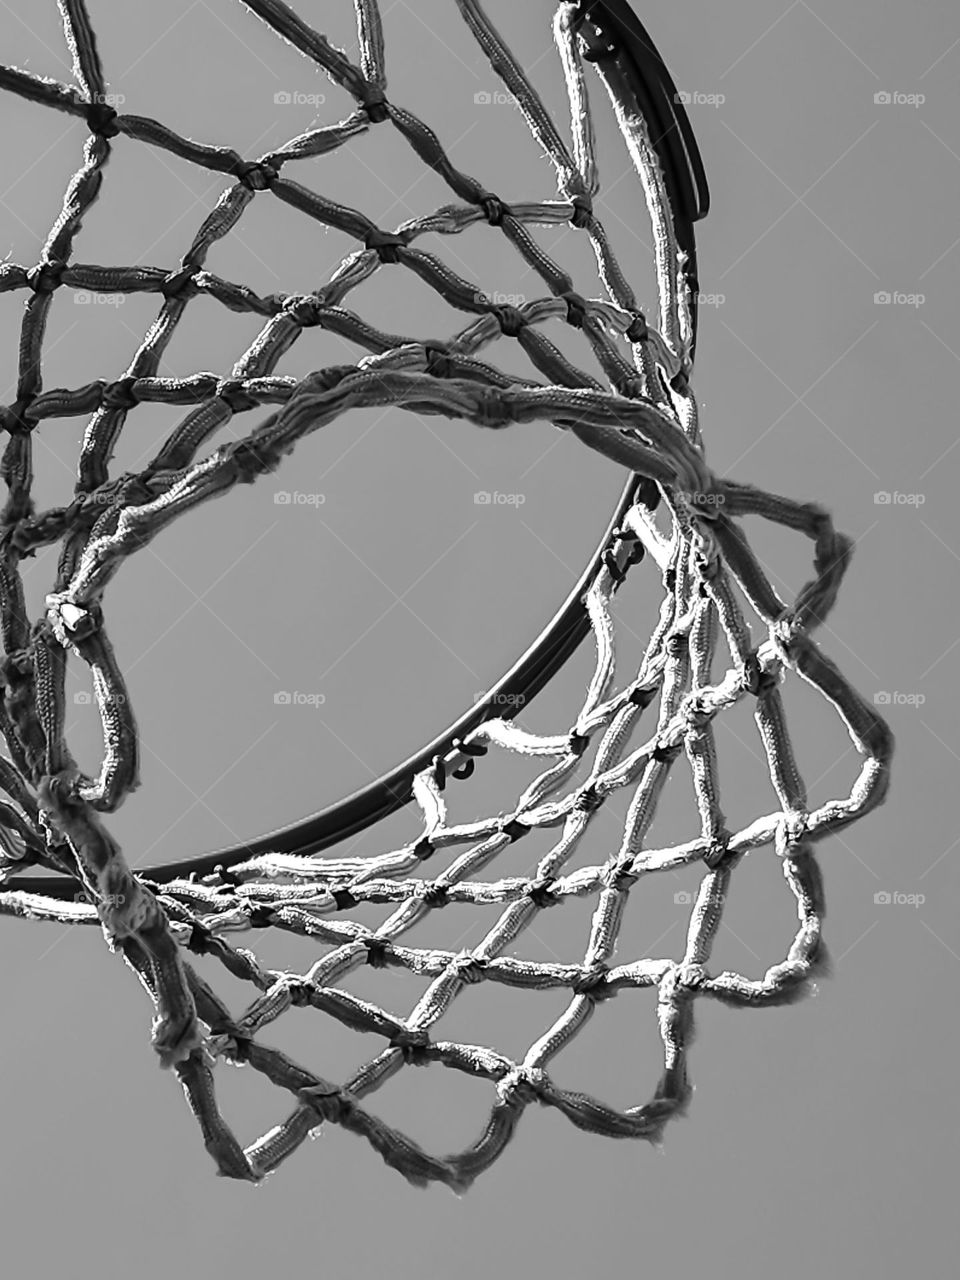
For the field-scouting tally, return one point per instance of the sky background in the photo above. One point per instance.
(821, 1135)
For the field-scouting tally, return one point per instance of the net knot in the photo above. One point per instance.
(305, 310)
(689, 976)
(332, 1105)
(582, 214)
(589, 800)
(413, 1043)
(14, 419)
(72, 623)
(515, 829)
(592, 983)
(623, 878)
(180, 284)
(790, 834)
(638, 330)
(667, 752)
(423, 849)
(259, 916)
(228, 876)
(756, 679)
(252, 459)
(541, 893)
(718, 852)
(576, 309)
(490, 409)
(200, 938)
(469, 968)
(376, 952)
(630, 388)
(374, 103)
(437, 895)
(239, 1050)
(256, 175)
(577, 743)
(510, 319)
(119, 394)
(520, 1086)
(695, 713)
(233, 394)
(324, 380)
(386, 244)
(102, 119)
(439, 360)
(300, 993)
(45, 277)
(494, 209)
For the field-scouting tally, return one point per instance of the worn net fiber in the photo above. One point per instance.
(629, 732)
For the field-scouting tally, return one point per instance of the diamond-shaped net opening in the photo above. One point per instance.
(625, 740)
